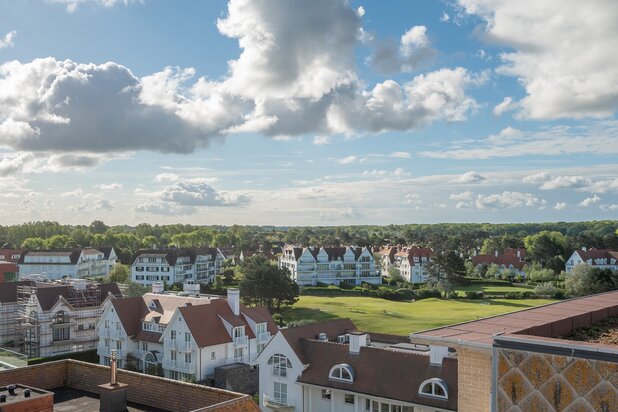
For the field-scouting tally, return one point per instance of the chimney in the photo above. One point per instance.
(113, 395)
(496, 253)
(157, 287)
(519, 253)
(233, 299)
(584, 248)
(437, 353)
(357, 341)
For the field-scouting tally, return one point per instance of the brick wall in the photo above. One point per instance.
(474, 380)
(143, 389)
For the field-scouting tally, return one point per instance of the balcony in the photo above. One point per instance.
(186, 367)
(170, 343)
(241, 341)
(276, 404)
(263, 337)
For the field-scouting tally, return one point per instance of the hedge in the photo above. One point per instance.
(89, 356)
(336, 291)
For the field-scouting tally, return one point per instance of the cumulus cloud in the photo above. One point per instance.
(201, 194)
(321, 140)
(467, 195)
(508, 199)
(506, 105)
(548, 181)
(295, 75)
(15, 163)
(469, 177)
(79, 192)
(609, 207)
(103, 204)
(110, 186)
(598, 138)
(166, 177)
(589, 201)
(398, 172)
(164, 208)
(560, 206)
(7, 40)
(411, 199)
(445, 17)
(563, 55)
(413, 50)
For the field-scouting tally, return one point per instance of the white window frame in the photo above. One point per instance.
(337, 373)
(432, 384)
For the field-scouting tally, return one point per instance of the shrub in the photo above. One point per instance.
(424, 293)
(470, 294)
(546, 289)
(405, 294)
(345, 285)
(320, 284)
(388, 293)
(301, 322)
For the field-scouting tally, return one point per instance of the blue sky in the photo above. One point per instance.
(308, 113)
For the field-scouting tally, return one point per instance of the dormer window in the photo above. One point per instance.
(434, 387)
(342, 372)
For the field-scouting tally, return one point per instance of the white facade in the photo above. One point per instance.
(78, 263)
(176, 266)
(602, 259)
(175, 349)
(330, 265)
(411, 261)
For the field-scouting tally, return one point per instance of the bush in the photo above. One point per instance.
(405, 294)
(89, 356)
(321, 284)
(301, 322)
(546, 289)
(345, 285)
(425, 293)
(470, 294)
(388, 293)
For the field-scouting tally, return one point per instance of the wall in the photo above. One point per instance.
(546, 382)
(238, 378)
(474, 377)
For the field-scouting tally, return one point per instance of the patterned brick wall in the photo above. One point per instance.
(474, 380)
(529, 381)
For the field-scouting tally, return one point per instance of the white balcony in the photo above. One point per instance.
(241, 341)
(276, 404)
(171, 343)
(242, 359)
(186, 367)
(263, 337)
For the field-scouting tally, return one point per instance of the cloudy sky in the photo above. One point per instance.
(300, 112)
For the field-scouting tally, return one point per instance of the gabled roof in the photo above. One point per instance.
(130, 312)
(172, 255)
(379, 372)
(592, 254)
(507, 259)
(73, 255)
(206, 325)
(332, 329)
(6, 254)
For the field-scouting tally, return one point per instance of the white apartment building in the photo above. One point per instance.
(72, 263)
(598, 258)
(45, 319)
(183, 337)
(410, 260)
(200, 265)
(330, 366)
(330, 265)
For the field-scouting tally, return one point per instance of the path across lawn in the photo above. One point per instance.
(379, 315)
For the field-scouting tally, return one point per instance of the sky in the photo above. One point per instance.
(322, 112)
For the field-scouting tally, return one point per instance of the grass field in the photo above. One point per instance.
(489, 288)
(401, 318)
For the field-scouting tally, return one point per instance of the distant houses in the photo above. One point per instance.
(598, 258)
(311, 266)
(513, 260)
(411, 261)
(72, 263)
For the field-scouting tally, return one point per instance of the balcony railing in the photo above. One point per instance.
(187, 367)
(263, 336)
(170, 343)
(241, 341)
(277, 404)
(242, 359)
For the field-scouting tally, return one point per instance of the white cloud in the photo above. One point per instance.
(560, 206)
(80, 207)
(398, 172)
(400, 155)
(411, 199)
(508, 199)
(72, 5)
(347, 160)
(598, 138)
(467, 195)
(17, 163)
(7, 41)
(590, 201)
(103, 204)
(469, 177)
(506, 105)
(563, 53)
(609, 207)
(164, 208)
(413, 50)
(110, 186)
(79, 192)
(321, 140)
(166, 177)
(445, 17)
(193, 193)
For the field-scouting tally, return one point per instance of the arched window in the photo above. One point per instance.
(342, 372)
(434, 387)
(280, 364)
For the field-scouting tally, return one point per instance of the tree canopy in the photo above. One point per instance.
(266, 284)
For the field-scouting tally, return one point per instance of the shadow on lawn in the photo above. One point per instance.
(510, 304)
(306, 313)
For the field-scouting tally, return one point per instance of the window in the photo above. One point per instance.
(106, 323)
(342, 372)
(239, 331)
(187, 337)
(188, 357)
(119, 345)
(260, 347)
(173, 355)
(280, 364)
(144, 345)
(349, 399)
(326, 394)
(434, 387)
(173, 334)
(213, 355)
(62, 333)
(280, 391)
(238, 352)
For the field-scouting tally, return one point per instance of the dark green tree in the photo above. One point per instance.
(266, 284)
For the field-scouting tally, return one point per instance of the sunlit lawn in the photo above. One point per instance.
(379, 315)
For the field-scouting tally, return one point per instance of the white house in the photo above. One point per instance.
(330, 265)
(45, 319)
(330, 366)
(183, 337)
(598, 258)
(410, 260)
(72, 263)
(201, 265)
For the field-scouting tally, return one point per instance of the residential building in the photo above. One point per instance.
(411, 261)
(521, 360)
(9, 271)
(44, 319)
(331, 366)
(331, 265)
(11, 255)
(200, 265)
(598, 258)
(76, 387)
(513, 260)
(183, 337)
(72, 263)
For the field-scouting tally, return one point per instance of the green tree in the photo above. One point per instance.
(98, 226)
(445, 270)
(33, 243)
(394, 274)
(149, 242)
(545, 246)
(119, 274)
(135, 289)
(586, 280)
(266, 284)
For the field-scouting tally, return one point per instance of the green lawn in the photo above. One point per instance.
(489, 288)
(379, 315)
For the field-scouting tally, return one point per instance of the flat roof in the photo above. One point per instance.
(551, 320)
(74, 400)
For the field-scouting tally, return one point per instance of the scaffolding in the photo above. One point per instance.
(28, 329)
